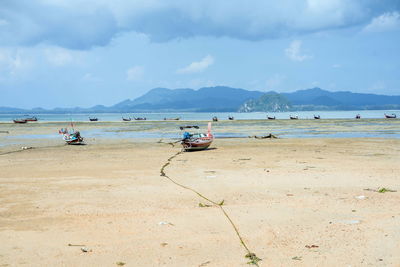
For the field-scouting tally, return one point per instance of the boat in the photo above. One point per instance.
(140, 119)
(93, 119)
(294, 117)
(215, 118)
(126, 119)
(358, 116)
(271, 118)
(393, 116)
(71, 137)
(31, 118)
(20, 121)
(196, 141)
(172, 119)
(317, 117)
(231, 118)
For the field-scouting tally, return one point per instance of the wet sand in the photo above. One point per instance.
(283, 195)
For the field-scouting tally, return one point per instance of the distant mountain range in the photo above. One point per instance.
(227, 99)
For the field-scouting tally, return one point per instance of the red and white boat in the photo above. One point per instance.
(197, 141)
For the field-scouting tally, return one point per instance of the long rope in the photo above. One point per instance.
(252, 256)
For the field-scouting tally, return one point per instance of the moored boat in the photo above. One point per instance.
(126, 119)
(20, 121)
(393, 116)
(231, 118)
(317, 117)
(93, 119)
(172, 119)
(71, 137)
(140, 119)
(31, 118)
(271, 118)
(358, 116)
(196, 141)
(294, 117)
(215, 118)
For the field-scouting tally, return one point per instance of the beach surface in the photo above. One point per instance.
(294, 202)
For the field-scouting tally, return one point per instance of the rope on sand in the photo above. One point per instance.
(250, 255)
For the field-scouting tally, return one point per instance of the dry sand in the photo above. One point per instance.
(283, 195)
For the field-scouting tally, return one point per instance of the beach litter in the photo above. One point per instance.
(165, 223)
(270, 136)
(361, 197)
(312, 246)
(26, 147)
(297, 258)
(120, 263)
(253, 258)
(201, 205)
(380, 190)
(85, 249)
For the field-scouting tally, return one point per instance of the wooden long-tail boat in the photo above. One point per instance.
(393, 116)
(93, 119)
(358, 116)
(172, 119)
(140, 119)
(294, 117)
(317, 117)
(271, 118)
(231, 118)
(126, 119)
(31, 118)
(20, 121)
(71, 137)
(215, 118)
(197, 141)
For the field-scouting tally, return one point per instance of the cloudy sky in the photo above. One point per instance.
(81, 52)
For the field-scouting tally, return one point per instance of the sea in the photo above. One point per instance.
(205, 116)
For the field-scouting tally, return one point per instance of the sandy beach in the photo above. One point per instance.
(295, 202)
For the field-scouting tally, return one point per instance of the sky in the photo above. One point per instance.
(67, 53)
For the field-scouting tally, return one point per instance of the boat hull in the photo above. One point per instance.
(196, 144)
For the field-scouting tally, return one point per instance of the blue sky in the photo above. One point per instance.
(66, 53)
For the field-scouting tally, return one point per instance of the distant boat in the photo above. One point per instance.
(317, 117)
(358, 116)
(231, 118)
(197, 141)
(20, 121)
(393, 116)
(140, 119)
(126, 119)
(215, 118)
(93, 119)
(172, 119)
(294, 117)
(31, 118)
(271, 118)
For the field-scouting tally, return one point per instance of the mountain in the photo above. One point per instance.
(219, 98)
(316, 98)
(222, 98)
(267, 102)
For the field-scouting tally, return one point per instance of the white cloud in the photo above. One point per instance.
(135, 73)
(87, 24)
(198, 66)
(13, 62)
(386, 22)
(294, 53)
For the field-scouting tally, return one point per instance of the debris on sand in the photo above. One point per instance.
(85, 249)
(380, 190)
(201, 205)
(312, 246)
(270, 136)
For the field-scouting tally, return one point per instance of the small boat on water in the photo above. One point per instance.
(172, 119)
(20, 121)
(71, 137)
(31, 118)
(126, 119)
(393, 116)
(231, 118)
(271, 118)
(140, 119)
(215, 118)
(317, 117)
(93, 119)
(358, 116)
(196, 141)
(294, 117)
